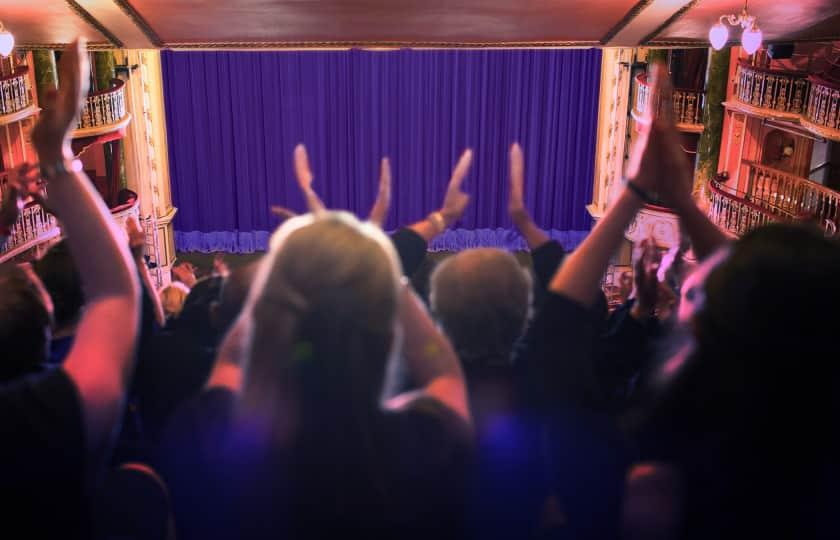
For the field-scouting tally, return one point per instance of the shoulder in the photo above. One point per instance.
(425, 429)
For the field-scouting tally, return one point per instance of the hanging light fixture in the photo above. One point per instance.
(751, 35)
(7, 41)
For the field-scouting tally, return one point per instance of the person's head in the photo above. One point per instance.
(234, 293)
(756, 399)
(322, 314)
(25, 321)
(481, 298)
(173, 297)
(60, 276)
(194, 320)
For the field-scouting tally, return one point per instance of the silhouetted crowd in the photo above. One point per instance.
(342, 385)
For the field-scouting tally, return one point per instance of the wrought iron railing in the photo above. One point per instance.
(772, 188)
(104, 107)
(15, 93)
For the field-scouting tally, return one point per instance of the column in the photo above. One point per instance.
(46, 73)
(708, 148)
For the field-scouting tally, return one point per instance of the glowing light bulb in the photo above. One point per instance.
(751, 40)
(7, 43)
(718, 36)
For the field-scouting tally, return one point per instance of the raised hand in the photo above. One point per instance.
(456, 200)
(304, 178)
(60, 110)
(379, 212)
(516, 201)
(644, 166)
(136, 237)
(283, 213)
(220, 267)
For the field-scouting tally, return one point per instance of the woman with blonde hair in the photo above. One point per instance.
(299, 433)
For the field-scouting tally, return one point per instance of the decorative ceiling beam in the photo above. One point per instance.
(644, 20)
(140, 22)
(91, 20)
(668, 22)
(627, 19)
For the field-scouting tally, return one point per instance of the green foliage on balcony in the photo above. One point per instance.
(708, 148)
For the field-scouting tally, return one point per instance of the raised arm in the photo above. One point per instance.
(580, 276)
(454, 203)
(379, 211)
(534, 236)
(136, 242)
(427, 358)
(101, 360)
(305, 177)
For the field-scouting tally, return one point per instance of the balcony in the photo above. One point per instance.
(792, 96)
(772, 196)
(104, 111)
(15, 96)
(688, 105)
(822, 114)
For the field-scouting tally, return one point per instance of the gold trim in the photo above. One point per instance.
(378, 44)
(91, 46)
(166, 218)
(627, 19)
(141, 23)
(668, 22)
(91, 20)
(95, 131)
(17, 116)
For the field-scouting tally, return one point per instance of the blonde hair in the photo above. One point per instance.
(173, 297)
(322, 312)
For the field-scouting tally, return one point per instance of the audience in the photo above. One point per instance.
(312, 393)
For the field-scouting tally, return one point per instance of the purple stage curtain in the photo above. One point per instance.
(233, 119)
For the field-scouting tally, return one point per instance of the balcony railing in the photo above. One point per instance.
(688, 104)
(731, 211)
(823, 104)
(782, 91)
(14, 91)
(800, 197)
(104, 107)
(773, 196)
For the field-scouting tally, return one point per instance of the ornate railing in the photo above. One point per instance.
(15, 93)
(823, 104)
(688, 104)
(34, 226)
(104, 107)
(732, 212)
(783, 91)
(800, 197)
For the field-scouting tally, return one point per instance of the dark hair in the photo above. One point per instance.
(233, 294)
(61, 278)
(24, 324)
(194, 321)
(750, 417)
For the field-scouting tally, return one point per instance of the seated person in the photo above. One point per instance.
(61, 278)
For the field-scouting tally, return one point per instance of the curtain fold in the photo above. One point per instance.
(233, 119)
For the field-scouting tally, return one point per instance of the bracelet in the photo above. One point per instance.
(640, 193)
(436, 218)
(61, 167)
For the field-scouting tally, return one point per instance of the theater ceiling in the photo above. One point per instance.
(402, 23)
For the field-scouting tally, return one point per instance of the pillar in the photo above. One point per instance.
(146, 156)
(46, 73)
(708, 148)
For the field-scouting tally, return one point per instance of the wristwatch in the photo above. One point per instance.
(61, 167)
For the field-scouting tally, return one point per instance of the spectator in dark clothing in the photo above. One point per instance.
(304, 427)
(56, 427)
(61, 278)
(24, 324)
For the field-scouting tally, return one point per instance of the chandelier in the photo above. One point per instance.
(750, 37)
(7, 41)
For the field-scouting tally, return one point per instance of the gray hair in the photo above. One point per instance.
(482, 298)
